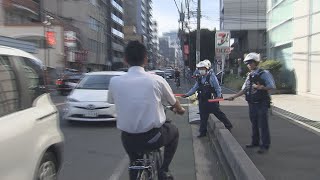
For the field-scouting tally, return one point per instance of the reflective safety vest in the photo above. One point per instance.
(205, 90)
(255, 95)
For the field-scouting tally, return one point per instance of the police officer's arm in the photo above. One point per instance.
(192, 90)
(215, 84)
(240, 93)
(269, 81)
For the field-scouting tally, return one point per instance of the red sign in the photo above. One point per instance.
(223, 51)
(186, 49)
(51, 38)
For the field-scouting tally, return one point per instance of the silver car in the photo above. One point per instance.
(88, 101)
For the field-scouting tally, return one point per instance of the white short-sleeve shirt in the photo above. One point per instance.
(138, 97)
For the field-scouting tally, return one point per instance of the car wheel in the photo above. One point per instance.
(48, 167)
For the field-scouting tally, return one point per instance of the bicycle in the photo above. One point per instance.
(149, 166)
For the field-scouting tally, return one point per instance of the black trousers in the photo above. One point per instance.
(260, 127)
(134, 144)
(205, 109)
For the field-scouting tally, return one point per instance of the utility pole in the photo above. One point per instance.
(182, 38)
(198, 32)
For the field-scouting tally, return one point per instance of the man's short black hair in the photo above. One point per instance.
(135, 53)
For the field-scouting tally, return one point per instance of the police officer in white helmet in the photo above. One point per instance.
(208, 87)
(256, 88)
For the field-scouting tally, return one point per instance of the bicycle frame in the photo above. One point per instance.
(149, 166)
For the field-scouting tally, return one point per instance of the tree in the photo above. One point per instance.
(207, 46)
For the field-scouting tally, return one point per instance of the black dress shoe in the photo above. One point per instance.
(252, 146)
(163, 175)
(202, 135)
(262, 150)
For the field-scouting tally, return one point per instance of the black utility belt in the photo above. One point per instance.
(152, 131)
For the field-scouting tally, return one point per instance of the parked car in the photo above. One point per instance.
(68, 81)
(169, 73)
(123, 69)
(30, 138)
(88, 101)
(160, 73)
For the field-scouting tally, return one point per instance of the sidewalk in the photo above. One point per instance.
(294, 151)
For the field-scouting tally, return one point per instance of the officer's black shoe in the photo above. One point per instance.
(249, 146)
(202, 135)
(163, 175)
(262, 150)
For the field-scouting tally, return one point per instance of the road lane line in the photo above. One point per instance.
(299, 123)
(60, 104)
(122, 165)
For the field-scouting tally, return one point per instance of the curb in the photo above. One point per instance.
(241, 165)
(238, 161)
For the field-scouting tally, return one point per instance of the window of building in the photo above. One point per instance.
(93, 45)
(9, 96)
(94, 2)
(315, 25)
(315, 39)
(93, 24)
(315, 6)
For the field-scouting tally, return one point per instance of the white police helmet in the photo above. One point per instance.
(202, 64)
(252, 57)
(208, 62)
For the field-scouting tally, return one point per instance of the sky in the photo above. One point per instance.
(166, 14)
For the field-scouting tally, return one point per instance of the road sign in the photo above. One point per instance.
(222, 42)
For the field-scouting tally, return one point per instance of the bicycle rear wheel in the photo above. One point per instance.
(158, 160)
(144, 175)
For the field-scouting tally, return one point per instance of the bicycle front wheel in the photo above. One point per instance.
(158, 160)
(144, 175)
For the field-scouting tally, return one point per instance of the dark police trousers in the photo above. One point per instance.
(205, 109)
(167, 135)
(259, 119)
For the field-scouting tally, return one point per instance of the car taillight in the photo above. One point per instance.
(59, 82)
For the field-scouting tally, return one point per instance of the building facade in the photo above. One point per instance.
(116, 29)
(22, 20)
(138, 14)
(293, 35)
(89, 16)
(246, 20)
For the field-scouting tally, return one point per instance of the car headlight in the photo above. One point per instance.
(72, 100)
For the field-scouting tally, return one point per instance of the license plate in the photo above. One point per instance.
(91, 114)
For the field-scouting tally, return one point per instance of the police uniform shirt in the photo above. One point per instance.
(266, 76)
(213, 82)
(138, 97)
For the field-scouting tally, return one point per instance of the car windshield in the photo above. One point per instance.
(99, 82)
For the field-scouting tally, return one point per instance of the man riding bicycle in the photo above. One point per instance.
(138, 97)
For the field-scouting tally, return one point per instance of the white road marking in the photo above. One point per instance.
(122, 165)
(60, 104)
(301, 124)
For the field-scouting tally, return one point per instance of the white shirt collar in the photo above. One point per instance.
(136, 69)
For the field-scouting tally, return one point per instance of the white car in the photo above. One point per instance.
(30, 138)
(88, 101)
